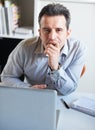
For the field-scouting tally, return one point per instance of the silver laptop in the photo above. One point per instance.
(27, 109)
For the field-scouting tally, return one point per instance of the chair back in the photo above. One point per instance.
(83, 70)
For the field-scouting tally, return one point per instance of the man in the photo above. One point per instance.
(53, 60)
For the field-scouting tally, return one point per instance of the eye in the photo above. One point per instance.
(59, 29)
(46, 30)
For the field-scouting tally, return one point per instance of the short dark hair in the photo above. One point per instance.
(53, 10)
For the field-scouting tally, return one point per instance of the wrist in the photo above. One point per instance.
(55, 68)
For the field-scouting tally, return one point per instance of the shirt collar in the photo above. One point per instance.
(64, 50)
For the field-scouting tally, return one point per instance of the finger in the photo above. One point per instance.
(54, 43)
(39, 86)
(42, 86)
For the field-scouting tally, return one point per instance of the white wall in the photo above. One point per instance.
(83, 27)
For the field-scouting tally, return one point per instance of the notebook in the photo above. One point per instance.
(82, 103)
(85, 105)
(27, 109)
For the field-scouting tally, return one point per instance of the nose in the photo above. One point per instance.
(52, 35)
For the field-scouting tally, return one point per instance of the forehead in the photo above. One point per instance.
(53, 21)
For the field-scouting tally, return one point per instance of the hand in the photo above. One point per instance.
(41, 86)
(53, 52)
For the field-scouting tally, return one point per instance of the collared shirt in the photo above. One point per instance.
(28, 58)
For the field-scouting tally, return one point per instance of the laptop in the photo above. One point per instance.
(27, 109)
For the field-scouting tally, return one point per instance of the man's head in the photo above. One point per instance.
(55, 10)
(54, 20)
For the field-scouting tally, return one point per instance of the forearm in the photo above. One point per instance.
(61, 81)
(13, 81)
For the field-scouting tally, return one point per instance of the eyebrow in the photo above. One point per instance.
(46, 28)
(50, 28)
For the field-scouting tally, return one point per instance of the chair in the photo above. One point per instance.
(83, 70)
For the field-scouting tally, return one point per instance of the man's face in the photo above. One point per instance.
(53, 30)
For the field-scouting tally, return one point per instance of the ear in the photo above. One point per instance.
(68, 33)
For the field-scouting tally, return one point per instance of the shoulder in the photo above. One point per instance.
(76, 44)
(30, 41)
(28, 44)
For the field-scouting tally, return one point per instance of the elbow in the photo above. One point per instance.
(66, 89)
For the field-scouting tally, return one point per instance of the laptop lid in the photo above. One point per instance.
(27, 109)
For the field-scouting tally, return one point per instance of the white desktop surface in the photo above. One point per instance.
(70, 119)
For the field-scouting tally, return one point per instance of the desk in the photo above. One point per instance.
(70, 119)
